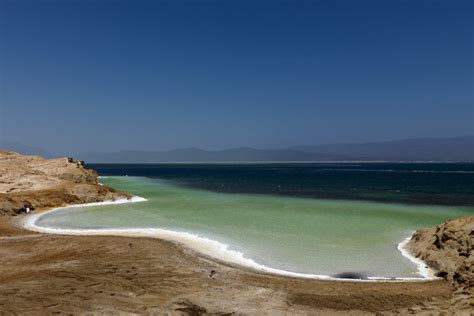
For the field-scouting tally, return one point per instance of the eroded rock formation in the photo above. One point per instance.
(31, 182)
(448, 249)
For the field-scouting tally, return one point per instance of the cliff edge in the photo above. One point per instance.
(447, 248)
(32, 182)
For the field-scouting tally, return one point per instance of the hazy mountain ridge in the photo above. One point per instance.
(419, 149)
(416, 149)
(424, 149)
(25, 149)
(200, 155)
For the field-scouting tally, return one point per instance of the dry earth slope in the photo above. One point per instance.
(448, 249)
(33, 182)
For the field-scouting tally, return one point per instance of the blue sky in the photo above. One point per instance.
(90, 75)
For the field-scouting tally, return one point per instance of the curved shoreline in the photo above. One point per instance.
(422, 267)
(210, 248)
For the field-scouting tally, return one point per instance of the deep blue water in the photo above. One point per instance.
(412, 183)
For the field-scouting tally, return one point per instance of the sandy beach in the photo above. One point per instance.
(56, 274)
(49, 273)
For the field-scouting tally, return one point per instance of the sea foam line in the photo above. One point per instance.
(203, 245)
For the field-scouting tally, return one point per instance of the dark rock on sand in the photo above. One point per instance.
(350, 275)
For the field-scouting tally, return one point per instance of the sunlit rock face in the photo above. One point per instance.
(31, 182)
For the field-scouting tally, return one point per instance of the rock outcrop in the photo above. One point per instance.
(32, 182)
(448, 249)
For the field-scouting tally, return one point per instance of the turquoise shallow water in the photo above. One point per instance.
(303, 235)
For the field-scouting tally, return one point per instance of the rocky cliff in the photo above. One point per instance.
(448, 249)
(32, 182)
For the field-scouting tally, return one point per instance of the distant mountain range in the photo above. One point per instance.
(24, 149)
(418, 149)
(199, 155)
(438, 149)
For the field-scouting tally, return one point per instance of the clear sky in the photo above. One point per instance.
(82, 75)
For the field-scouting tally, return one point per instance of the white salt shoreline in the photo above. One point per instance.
(208, 247)
(423, 269)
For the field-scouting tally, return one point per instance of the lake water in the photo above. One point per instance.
(321, 219)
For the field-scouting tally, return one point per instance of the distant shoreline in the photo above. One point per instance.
(285, 162)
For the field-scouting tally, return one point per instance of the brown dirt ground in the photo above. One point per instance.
(53, 274)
